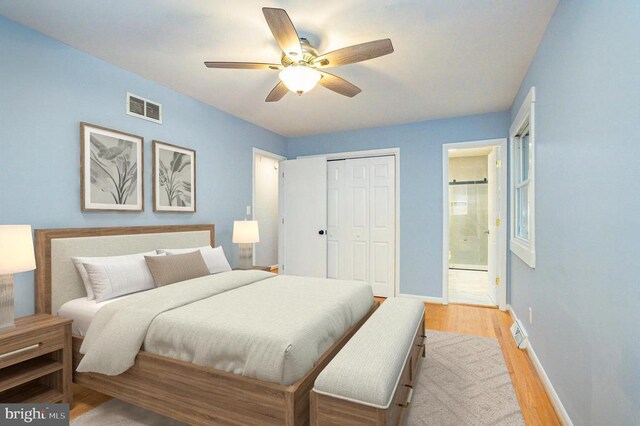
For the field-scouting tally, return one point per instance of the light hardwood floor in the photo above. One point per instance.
(473, 320)
(490, 322)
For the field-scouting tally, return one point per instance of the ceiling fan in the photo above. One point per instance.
(301, 67)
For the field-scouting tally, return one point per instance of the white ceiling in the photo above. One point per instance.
(452, 57)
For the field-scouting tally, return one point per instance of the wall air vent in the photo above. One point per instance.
(140, 107)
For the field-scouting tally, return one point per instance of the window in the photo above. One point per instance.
(522, 182)
(521, 135)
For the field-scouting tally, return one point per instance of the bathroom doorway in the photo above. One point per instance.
(473, 198)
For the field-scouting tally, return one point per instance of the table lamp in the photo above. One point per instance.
(245, 233)
(16, 255)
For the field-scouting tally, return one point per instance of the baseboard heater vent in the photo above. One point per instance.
(519, 334)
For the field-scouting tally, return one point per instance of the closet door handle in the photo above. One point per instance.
(321, 232)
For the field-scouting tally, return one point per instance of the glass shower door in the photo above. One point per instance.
(468, 225)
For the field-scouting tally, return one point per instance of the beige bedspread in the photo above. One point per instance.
(252, 323)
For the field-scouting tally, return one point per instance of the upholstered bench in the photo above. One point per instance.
(370, 381)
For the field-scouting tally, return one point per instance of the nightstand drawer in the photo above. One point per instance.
(35, 361)
(30, 345)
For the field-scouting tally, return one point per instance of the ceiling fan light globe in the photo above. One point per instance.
(300, 78)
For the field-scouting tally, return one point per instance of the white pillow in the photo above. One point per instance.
(78, 262)
(114, 279)
(214, 257)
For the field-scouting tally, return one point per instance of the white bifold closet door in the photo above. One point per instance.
(361, 222)
(336, 215)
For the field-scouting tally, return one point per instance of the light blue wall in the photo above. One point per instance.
(585, 289)
(420, 183)
(47, 88)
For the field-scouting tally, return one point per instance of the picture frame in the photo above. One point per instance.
(174, 178)
(111, 169)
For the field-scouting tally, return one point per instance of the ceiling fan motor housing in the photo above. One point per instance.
(309, 54)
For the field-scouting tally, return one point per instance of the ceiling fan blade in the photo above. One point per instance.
(339, 85)
(357, 53)
(277, 93)
(243, 65)
(283, 31)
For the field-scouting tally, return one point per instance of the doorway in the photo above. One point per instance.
(266, 167)
(474, 249)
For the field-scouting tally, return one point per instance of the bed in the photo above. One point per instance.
(178, 388)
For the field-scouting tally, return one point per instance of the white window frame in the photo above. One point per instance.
(524, 248)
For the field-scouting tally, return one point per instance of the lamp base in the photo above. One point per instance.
(245, 256)
(6, 302)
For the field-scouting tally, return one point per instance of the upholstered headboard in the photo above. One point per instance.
(57, 280)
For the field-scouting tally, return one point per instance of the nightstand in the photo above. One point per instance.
(259, 268)
(35, 361)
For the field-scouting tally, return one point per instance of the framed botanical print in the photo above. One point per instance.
(174, 178)
(111, 169)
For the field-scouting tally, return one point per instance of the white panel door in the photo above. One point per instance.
(304, 207)
(382, 225)
(357, 220)
(336, 219)
(493, 203)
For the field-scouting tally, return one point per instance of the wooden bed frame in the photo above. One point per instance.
(181, 390)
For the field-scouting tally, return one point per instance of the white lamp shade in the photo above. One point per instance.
(16, 249)
(245, 232)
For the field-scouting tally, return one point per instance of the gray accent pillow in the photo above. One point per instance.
(176, 268)
(214, 257)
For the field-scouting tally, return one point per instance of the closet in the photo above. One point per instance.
(339, 220)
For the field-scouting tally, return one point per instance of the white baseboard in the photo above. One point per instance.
(553, 396)
(428, 299)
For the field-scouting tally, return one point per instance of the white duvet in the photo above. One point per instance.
(252, 323)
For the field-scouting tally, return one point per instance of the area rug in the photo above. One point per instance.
(462, 381)
(119, 413)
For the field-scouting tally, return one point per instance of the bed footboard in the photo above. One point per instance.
(201, 396)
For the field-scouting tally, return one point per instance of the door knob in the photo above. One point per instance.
(486, 232)
(321, 232)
